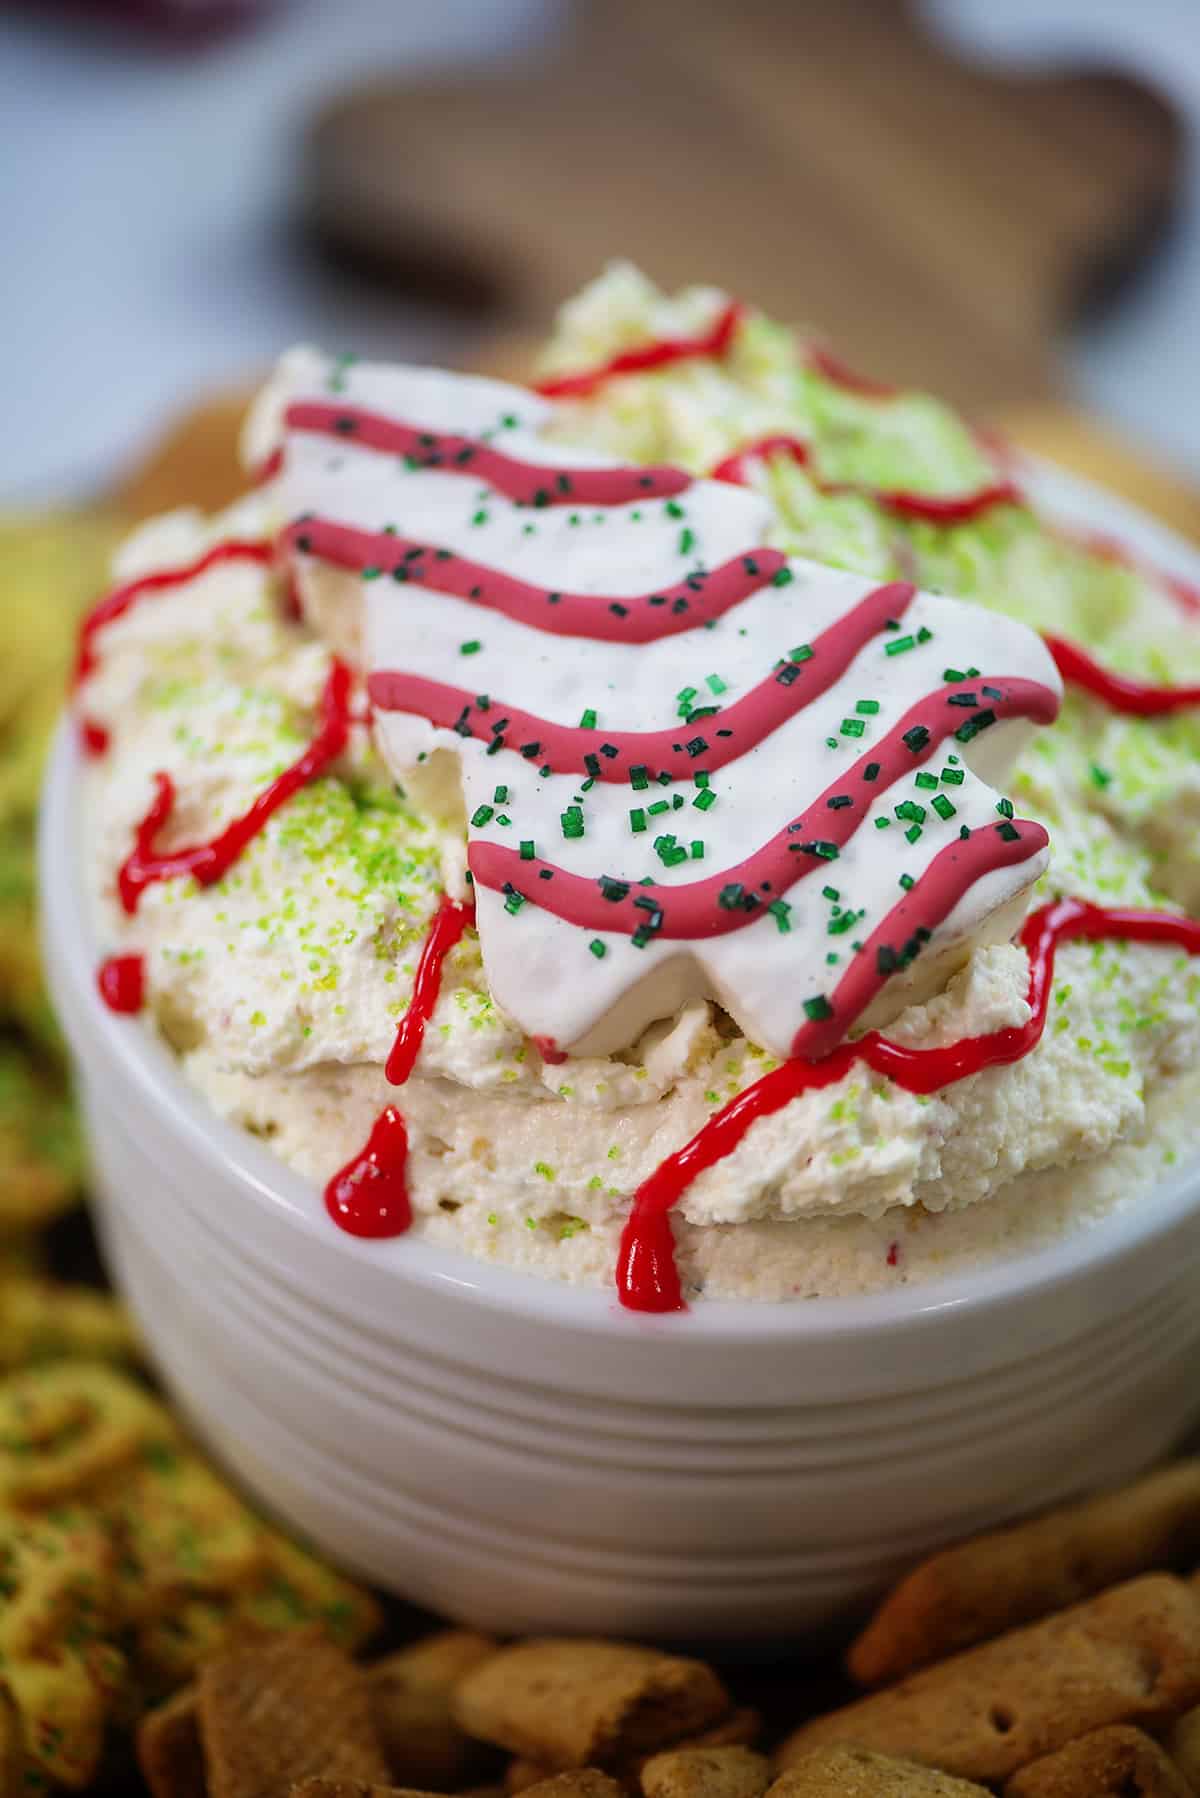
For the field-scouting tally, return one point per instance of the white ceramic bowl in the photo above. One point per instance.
(529, 1457)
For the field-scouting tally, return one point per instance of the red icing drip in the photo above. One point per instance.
(369, 1196)
(267, 469)
(207, 862)
(449, 921)
(122, 982)
(93, 737)
(893, 1254)
(823, 362)
(620, 618)
(954, 508)
(647, 1277)
(122, 599)
(695, 910)
(1140, 699)
(549, 1051)
(706, 742)
(658, 353)
(528, 483)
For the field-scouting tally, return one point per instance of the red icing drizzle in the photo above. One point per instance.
(449, 921)
(697, 909)
(207, 862)
(705, 742)
(716, 342)
(93, 737)
(122, 599)
(954, 508)
(823, 362)
(528, 483)
(617, 618)
(122, 982)
(647, 1277)
(1140, 699)
(369, 1196)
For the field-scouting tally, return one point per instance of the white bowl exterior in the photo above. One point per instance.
(529, 1457)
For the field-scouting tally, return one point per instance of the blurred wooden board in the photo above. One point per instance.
(823, 157)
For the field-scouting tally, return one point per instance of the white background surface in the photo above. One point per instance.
(144, 196)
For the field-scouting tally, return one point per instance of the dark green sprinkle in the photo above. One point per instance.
(818, 1009)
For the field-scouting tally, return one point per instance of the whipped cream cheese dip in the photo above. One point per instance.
(543, 858)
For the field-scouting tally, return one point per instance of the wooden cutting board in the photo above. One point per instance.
(826, 158)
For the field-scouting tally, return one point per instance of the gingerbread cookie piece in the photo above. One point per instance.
(996, 1582)
(1132, 1655)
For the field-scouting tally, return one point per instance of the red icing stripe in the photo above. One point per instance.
(647, 1276)
(903, 933)
(658, 353)
(831, 368)
(528, 483)
(624, 618)
(733, 898)
(207, 862)
(705, 742)
(935, 508)
(1139, 699)
(449, 921)
(122, 599)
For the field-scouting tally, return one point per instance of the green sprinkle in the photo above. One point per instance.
(572, 821)
(687, 541)
(637, 819)
(852, 727)
(480, 517)
(697, 850)
(705, 799)
(908, 808)
(701, 779)
(481, 815)
(899, 645)
(803, 652)
(783, 577)
(545, 1170)
(942, 806)
(673, 509)
(818, 1009)
(514, 902)
(715, 684)
(882, 823)
(639, 777)
(831, 742)
(830, 893)
(527, 849)
(953, 675)
(1004, 807)
(913, 833)
(588, 719)
(926, 781)
(907, 882)
(952, 777)
(780, 910)
(867, 707)
(659, 806)
(1100, 776)
(371, 574)
(598, 949)
(924, 635)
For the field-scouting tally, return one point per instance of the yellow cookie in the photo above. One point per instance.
(43, 1320)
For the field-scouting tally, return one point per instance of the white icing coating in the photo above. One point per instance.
(545, 971)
